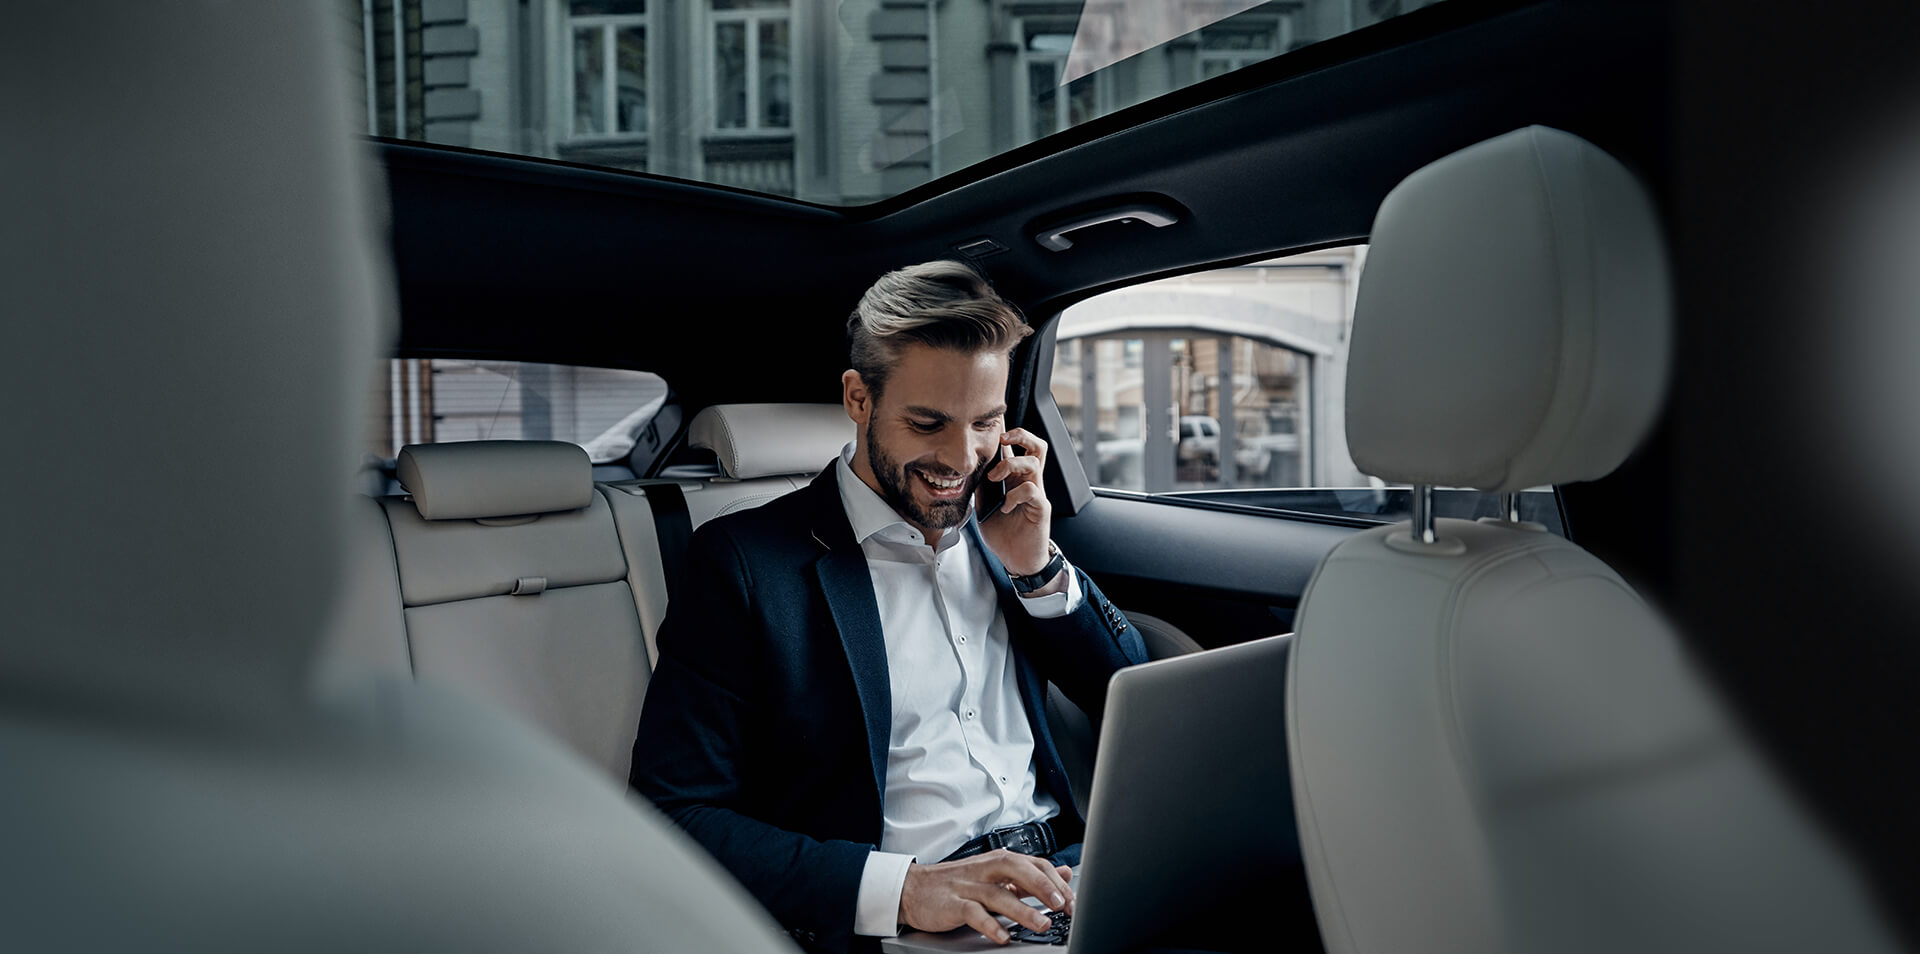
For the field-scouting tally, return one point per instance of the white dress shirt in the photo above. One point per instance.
(960, 750)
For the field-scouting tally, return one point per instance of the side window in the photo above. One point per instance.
(1229, 386)
(608, 411)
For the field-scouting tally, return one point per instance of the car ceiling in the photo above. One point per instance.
(737, 297)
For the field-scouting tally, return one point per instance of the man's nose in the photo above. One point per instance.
(965, 449)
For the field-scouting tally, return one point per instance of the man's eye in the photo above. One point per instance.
(923, 428)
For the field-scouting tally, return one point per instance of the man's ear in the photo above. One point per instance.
(856, 397)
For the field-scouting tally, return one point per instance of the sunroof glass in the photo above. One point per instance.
(841, 103)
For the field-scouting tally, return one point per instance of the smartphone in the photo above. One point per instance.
(993, 493)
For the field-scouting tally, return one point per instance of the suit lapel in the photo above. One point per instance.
(848, 588)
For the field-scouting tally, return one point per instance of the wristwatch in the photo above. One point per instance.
(1055, 560)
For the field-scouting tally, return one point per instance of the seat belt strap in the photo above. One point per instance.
(674, 527)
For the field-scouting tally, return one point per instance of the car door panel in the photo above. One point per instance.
(1221, 576)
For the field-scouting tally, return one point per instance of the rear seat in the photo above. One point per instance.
(763, 451)
(508, 573)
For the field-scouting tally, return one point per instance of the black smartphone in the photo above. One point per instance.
(993, 493)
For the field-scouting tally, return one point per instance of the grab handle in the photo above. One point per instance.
(1055, 238)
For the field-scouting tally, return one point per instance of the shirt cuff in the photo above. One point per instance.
(1054, 605)
(876, 912)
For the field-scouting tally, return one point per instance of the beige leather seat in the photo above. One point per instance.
(764, 451)
(211, 278)
(1496, 745)
(516, 588)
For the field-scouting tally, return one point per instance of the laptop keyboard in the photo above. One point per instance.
(1054, 934)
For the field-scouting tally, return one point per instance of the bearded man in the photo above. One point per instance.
(848, 709)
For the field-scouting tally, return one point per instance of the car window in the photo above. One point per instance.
(440, 400)
(1229, 386)
(839, 103)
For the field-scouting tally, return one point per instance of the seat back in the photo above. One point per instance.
(515, 584)
(1496, 745)
(190, 258)
(764, 451)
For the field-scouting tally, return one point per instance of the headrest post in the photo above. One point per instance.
(1423, 514)
(1510, 507)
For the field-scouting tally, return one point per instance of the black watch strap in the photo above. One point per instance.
(1027, 584)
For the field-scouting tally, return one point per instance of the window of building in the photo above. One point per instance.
(752, 65)
(1229, 386)
(1046, 106)
(607, 68)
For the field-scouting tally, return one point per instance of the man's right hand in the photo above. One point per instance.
(944, 896)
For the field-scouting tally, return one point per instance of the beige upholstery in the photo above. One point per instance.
(767, 440)
(190, 263)
(367, 632)
(1534, 349)
(764, 450)
(640, 543)
(1495, 744)
(495, 478)
(533, 612)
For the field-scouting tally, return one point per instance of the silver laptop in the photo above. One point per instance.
(1190, 834)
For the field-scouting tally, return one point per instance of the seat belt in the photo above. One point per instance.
(674, 528)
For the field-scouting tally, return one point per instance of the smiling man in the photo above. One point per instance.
(848, 708)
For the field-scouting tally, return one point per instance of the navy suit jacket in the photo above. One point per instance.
(764, 732)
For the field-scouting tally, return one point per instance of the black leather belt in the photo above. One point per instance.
(1032, 838)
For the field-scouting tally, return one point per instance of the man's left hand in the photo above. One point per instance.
(1018, 532)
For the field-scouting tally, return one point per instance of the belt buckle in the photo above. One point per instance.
(1017, 838)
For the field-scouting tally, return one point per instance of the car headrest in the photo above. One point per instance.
(472, 480)
(1513, 319)
(768, 440)
(217, 280)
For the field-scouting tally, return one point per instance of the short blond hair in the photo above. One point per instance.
(942, 304)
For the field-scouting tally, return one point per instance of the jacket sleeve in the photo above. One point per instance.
(1080, 651)
(696, 734)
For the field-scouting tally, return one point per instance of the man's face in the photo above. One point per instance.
(928, 440)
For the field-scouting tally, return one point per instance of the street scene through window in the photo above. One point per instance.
(1229, 385)
(839, 103)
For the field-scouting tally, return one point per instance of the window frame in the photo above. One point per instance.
(751, 18)
(1023, 103)
(608, 26)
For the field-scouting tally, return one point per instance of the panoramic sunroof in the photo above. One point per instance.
(839, 103)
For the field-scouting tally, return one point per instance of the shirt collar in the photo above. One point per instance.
(870, 515)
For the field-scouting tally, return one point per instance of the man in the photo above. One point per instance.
(849, 696)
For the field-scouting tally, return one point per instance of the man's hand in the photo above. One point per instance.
(1019, 530)
(971, 891)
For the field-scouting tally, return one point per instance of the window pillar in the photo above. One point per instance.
(1162, 417)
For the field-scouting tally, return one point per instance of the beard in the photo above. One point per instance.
(895, 487)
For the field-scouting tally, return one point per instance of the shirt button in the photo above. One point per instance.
(963, 637)
(969, 713)
(1003, 780)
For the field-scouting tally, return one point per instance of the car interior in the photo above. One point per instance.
(1566, 670)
